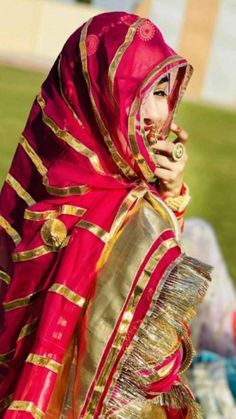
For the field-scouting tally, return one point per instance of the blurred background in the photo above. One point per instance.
(32, 33)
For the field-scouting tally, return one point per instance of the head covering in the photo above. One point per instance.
(81, 165)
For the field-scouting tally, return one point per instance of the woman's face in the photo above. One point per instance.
(155, 107)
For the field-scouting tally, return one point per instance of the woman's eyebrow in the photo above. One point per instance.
(163, 80)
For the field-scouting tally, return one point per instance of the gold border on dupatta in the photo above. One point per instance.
(67, 190)
(94, 229)
(50, 214)
(120, 162)
(135, 195)
(10, 230)
(148, 220)
(31, 254)
(43, 361)
(37, 252)
(21, 302)
(69, 294)
(148, 174)
(21, 192)
(5, 277)
(31, 153)
(120, 52)
(28, 328)
(126, 320)
(69, 139)
(25, 406)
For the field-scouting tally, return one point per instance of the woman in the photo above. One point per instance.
(97, 292)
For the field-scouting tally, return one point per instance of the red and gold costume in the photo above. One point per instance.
(96, 291)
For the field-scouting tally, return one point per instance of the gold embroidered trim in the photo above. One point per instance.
(7, 356)
(21, 192)
(135, 195)
(37, 252)
(43, 361)
(69, 139)
(120, 53)
(179, 203)
(132, 122)
(5, 277)
(125, 322)
(20, 302)
(33, 156)
(28, 328)
(10, 230)
(94, 229)
(31, 254)
(181, 288)
(47, 215)
(121, 163)
(189, 352)
(66, 191)
(29, 407)
(70, 295)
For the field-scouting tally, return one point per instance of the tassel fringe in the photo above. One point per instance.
(173, 306)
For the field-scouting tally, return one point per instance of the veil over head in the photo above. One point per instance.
(81, 170)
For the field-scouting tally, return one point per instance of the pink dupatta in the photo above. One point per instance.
(81, 174)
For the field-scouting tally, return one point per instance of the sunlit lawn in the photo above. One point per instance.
(211, 173)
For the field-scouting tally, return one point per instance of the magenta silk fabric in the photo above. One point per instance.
(87, 99)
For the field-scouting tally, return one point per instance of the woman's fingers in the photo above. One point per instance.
(164, 162)
(165, 148)
(182, 135)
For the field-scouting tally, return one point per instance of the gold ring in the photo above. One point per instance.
(178, 151)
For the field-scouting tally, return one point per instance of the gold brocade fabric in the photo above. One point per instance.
(158, 338)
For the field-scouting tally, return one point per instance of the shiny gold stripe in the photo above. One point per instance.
(37, 252)
(132, 120)
(134, 195)
(67, 191)
(43, 361)
(70, 140)
(125, 322)
(10, 230)
(72, 210)
(21, 192)
(120, 52)
(31, 254)
(121, 163)
(5, 277)
(70, 295)
(63, 95)
(28, 407)
(166, 213)
(4, 403)
(20, 302)
(28, 328)
(40, 215)
(7, 356)
(33, 156)
(47, 215)
(94, 229)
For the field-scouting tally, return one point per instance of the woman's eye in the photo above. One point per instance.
(160, 93)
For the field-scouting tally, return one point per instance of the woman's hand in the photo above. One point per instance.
(170, 172)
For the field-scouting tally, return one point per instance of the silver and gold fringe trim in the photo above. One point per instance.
(180, 290)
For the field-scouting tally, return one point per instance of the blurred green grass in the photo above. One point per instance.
(210, 174)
